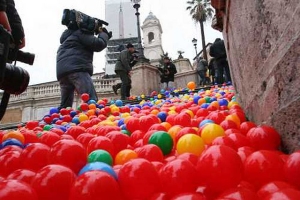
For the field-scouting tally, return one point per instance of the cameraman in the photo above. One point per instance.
(74, 59)
(11, 21)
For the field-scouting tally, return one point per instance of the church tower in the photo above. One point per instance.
(152, 32)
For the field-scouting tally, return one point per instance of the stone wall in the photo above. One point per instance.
(262, 39)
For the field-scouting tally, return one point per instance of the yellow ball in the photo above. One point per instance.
(211, 132)
(231, 103)
(190, 143)
(83, 117)
(159, 96)
(124, 156)
(115, 109)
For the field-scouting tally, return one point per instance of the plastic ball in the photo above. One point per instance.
(23, 175)
(139, 179)
(53, 182)
(12, 141)
(69, 153)
(9, 162)
(211, 132)
(99, 166)
(272, 187)
(94, 185)
(178, 177)
(100, 156)
(13, 135)
(292, 169)
(150, 152)
(53, 110)
(85, 97)
(14, 189)
(191, 85)
(163, 140)
(124, 156)
(219, 168)
(190, 143)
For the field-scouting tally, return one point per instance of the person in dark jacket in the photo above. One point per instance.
(74, 63)
(123, 69)
(212, 68)
(218, 51)
(202, 67)
(119, 85)
(168, 73)
(11, 21)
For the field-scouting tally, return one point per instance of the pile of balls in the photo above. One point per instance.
(197, 145)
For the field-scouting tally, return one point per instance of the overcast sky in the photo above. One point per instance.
(42, 24)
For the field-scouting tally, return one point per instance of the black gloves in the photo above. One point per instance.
(105, 31)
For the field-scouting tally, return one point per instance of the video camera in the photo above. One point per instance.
(74, 20)
(13, 79)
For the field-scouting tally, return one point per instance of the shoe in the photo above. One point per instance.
(115, 89)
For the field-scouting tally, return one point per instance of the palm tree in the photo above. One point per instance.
(200, 10)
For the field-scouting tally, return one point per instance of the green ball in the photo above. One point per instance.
(163, 140)
(100, 156)
(207, 99)
(126, 132)
(47, 127)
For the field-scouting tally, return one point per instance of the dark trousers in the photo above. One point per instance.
(81, 82)
(202, 75)
(222, 70)
(119, 85)
(125, 85)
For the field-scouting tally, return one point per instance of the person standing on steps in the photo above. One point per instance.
(123, 69)
(202, 66)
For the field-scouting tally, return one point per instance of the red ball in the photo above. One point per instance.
(178, 177)
(10, 148)
(272, 187)
(29, 136)
(139, 179)
(95, 185)
(238, 193)
(292, 169)
(35, 156)
(224, 140)
(220, 168)
(75, 131)
(285, 194)
(15, 190)
(191, 196)
(84, 106)
(85, 138)
(264, 138)
(23, 175)
(246, 126)
(159, 196)
(135, 136)
(101, 142)
(53, 182)
(49, 138)
(32, 124)
(216, 116)
(150, 152)
(183, 119)
(184, 131)
(9, 162)
(119, 140)
(202, 112)
(189, 157)
(69, 153)
(133, 124)
(146, 122)
(228, 124)
(85, 97)
(262, 167)
(239, 140)
(244, 152)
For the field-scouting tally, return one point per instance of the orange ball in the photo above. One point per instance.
(174, 130)
(201, 101)
(234, 117)
(15, 135)
(191, 85)
(92, 106)
(167, 125)
(124, 156)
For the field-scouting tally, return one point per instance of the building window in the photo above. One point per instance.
(150, 37)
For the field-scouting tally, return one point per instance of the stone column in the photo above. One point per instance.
(145, 79)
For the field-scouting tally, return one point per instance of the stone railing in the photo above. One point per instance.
(52, 89)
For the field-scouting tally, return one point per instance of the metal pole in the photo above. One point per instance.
(140, 47)
(196, 49)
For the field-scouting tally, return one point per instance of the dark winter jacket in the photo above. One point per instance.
(217, 50)
(202, 65)
(76, 52)
(124, 61)
(171, 69)
(14, 19)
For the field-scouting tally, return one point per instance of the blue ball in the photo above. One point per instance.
(75, 120)
(53, 110)
(12, 141)
(91, 102)
(119, 103)
(98, 166)
(73, 113)
(206, 121)
(205, 105)
(120, 122)
(223, 102)
(196, 99)
(162, 116)
(123, 127)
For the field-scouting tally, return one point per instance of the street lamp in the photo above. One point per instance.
(194, 41)
(141, 58)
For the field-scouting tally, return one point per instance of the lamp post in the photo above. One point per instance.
(141, 58)
(194, 41)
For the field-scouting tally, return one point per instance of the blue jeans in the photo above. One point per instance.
(81, 82)
(202, 75)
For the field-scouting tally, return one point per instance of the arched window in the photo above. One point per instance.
(150, 37)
